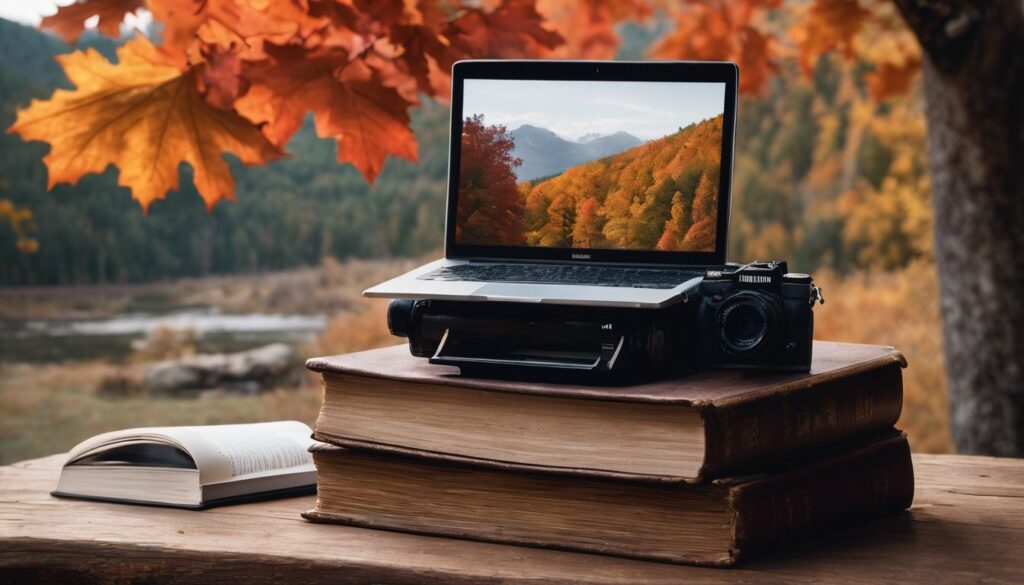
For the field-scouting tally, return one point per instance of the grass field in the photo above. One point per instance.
(47, 409)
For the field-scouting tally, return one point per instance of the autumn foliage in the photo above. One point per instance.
(21, 222)
(240, 76)
(490, 210)
(661, 195)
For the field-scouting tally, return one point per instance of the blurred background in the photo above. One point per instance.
(98, 302)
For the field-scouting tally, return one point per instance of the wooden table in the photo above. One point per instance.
(966, 526)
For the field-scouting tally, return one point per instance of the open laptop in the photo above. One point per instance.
(583, 182)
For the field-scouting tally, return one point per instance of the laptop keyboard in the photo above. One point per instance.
(623, 277)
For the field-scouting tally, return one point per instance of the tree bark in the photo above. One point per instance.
(973, 76)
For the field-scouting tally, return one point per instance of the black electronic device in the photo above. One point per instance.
(595, 344)
(757, 316)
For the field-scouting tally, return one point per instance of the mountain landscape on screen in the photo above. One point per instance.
(545, 153)
(532, 187)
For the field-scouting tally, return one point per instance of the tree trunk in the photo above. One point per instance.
(973, 68)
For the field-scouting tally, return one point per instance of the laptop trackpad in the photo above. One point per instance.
(523, 292)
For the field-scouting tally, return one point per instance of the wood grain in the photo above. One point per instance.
(966, 526)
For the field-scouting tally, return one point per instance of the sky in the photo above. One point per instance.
(30, 12)
(571, 109)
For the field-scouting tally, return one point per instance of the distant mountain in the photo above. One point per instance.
(603, 146)
(545, 153)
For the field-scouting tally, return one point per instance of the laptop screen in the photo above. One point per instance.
(591, 165)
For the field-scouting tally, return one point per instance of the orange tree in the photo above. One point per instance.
(239, 76)
(490, 210)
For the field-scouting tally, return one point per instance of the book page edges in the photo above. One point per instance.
(214, 465)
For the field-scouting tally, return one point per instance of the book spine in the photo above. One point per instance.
(761, 433)
(873, 483)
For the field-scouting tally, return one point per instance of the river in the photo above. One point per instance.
(52, 340)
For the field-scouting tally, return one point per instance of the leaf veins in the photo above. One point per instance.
(146, 117)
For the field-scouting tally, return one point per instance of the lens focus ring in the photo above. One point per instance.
(400, 316)
(746, 322)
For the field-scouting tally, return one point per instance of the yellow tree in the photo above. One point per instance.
(676, 226)
(586, 233)
(21, 222)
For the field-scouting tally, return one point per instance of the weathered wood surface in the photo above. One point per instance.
(966, 526)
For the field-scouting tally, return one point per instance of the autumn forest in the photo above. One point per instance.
(661, 195)
(831, 171)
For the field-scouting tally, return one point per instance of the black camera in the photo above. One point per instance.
(757, 316)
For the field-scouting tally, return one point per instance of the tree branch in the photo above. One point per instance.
(953, 32)
(944, 28)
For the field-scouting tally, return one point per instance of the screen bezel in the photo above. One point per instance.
(672, 71)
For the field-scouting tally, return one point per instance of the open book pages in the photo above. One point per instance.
(191, 466)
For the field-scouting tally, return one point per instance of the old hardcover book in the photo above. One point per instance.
(699, 426)
(715, 523)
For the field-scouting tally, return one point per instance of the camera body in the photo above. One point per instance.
(757, 316)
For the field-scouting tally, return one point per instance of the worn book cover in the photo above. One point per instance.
(704, 425)
(716, 523)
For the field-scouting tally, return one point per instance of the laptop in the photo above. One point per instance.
(583, 183)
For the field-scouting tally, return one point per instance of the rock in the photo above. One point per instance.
(247, 371)
(169, 377)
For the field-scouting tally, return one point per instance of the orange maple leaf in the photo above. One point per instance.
(403, 41)
(893, 50)
(755, 60)
(892, 78)
(723, 32)
(512, 30)
(69, 21)
(827, 25)
(423, 49)
(145, 116)
(588, 26)
(242, 25)
(221, 78)
(348, 99)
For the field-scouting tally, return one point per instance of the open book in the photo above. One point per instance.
(192, 467)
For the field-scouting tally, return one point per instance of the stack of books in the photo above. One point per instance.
(709, 468)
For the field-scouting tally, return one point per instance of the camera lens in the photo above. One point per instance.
(399, 316)
(747, 321)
